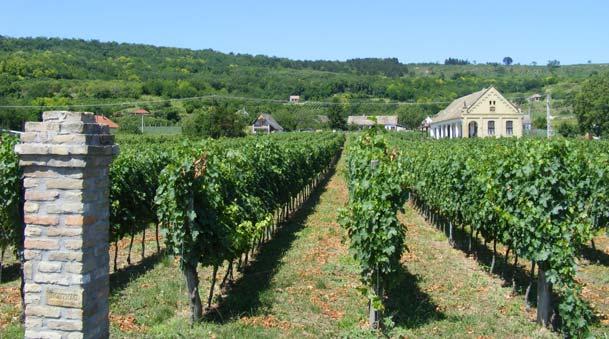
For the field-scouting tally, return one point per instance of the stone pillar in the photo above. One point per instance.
(65, 160)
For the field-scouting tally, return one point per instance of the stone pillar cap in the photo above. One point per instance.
(68, 116)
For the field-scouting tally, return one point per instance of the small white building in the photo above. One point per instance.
(390, 122)
(535, 97)
(425, 124)
(294, 99)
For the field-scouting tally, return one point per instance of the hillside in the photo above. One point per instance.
(47, 72)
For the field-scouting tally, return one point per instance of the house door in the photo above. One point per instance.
(473, 129)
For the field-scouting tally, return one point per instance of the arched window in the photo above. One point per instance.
(491, 127)
(509, 127)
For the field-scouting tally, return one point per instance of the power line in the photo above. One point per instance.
(226, 97)
(229, 97)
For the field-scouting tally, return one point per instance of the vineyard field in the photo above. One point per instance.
(280, 238)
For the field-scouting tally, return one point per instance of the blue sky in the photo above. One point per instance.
(412, 31)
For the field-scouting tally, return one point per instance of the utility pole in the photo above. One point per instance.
(549, 118)
(530, 127)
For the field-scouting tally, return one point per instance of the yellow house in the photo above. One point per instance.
(485, 113)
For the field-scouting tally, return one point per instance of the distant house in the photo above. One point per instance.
(294, 99)
(102, 120)
(485, 113)
(140, 111)
(535, 97)
(425, 124)
(265, 123)
(390, 122)
(323, 119)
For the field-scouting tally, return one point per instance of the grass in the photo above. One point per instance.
(10, 299)
(593, 270)
(593, 274)
(452, 295)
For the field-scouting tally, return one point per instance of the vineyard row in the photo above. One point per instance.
(544, 200)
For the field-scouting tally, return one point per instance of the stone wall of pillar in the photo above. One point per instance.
(65, 160)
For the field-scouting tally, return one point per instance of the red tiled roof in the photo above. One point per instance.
(141, 111)
(102, 120)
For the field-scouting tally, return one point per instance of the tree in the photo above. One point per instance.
(507, 61)
(336, 115)
(456, 61)
(552, 64)
(568, 130)
(411, 116)
(217, 121)
(540, 122)
(591, 105)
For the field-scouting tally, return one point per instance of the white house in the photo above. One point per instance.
(485, 113)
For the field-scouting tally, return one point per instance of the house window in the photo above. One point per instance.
(509, 127)
(491, 127)
(492, 109)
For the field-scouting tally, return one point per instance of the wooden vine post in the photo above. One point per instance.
(374, 316)
(544, 298)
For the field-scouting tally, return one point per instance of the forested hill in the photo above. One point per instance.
(50, 71)
(167, 58)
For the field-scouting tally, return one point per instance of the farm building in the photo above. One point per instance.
(265, 123)
(535, 97)
(425, 124)
(294, 99)
(140, 111)
(390, 122)
(485, 113)
(102, 120)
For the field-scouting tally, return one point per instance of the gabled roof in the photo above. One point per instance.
(270, 120)
(102, 120)
(140, 111)
(465, 103)
(456, 108)
(363, 120)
